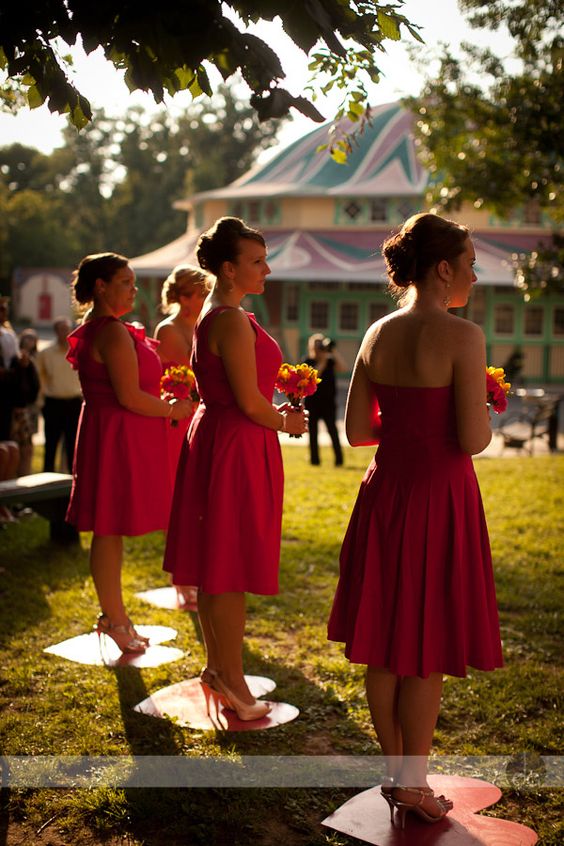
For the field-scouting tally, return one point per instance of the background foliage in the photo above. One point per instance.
(112, 185)
(491, 130)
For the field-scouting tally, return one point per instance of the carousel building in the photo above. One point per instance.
(324, 224)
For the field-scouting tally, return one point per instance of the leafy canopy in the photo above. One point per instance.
(164, 47)
(492, 133)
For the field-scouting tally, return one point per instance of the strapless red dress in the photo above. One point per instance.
(416, 592)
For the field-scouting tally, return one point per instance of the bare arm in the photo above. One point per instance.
(117, 351)
(234, 337)
(469, 369)
(362, 421)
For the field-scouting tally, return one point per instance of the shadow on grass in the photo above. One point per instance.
(229, 816)
(33, 567)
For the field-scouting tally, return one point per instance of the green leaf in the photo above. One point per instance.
(204, 81)
(321, 148)
(34, 97)
(388, 26)
(185, 76)
(78, 118)
(356, 108)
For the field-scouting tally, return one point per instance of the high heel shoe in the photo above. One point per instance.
(136, 634)
(386, 793)
(404, 808)
(245, 712)
(125, 637)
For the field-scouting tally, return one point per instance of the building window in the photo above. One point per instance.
(378, 209)
(254, 211)
(270, 211)
(504, 319)
(558, 322)
(376, 311)
(292, 303)
(348, 317)
(534, 320)
(406, 209)
(319, 314)
(353, 209)
(478, 306)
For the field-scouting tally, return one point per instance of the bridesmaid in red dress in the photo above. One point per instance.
(182, 298)
(416, 596)
(121, 480)
(225, 525)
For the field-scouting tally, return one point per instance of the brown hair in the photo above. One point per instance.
(423, 241)
(185, 278)
(221, 242)
(97, 266)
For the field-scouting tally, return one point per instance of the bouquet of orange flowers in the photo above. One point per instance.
(497, 388)
(297, 381)
(178, 382)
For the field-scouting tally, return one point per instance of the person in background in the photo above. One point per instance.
(182, 296)
(25, 390)
(416, 596)
(322, 405)
(62, 398)
(226, 516)
(8, 338)
(9, 460)
(121, 481)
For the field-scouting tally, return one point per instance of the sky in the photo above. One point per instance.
(103, 85)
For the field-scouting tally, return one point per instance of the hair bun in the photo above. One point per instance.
(401, 259)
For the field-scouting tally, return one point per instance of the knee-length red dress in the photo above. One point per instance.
(416, 592)
(226, 517)
(121, 475)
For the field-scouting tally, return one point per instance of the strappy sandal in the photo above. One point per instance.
(404, 808)
(125, 637)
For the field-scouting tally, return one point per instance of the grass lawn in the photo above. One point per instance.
(49, 706)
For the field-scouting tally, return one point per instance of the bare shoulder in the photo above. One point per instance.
(113, 332)
(233, 319)
(165, 327)
(465, 330)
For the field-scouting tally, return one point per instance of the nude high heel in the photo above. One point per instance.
(125, 637)
(245, 712)
(404, 808)
(386, 793)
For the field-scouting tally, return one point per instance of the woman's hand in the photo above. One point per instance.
(181, 409)
(296, 419)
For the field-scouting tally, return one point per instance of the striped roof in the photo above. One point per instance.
(382, 164)
(338, 255)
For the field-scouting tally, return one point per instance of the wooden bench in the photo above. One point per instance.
(48, 494)
(537, 419)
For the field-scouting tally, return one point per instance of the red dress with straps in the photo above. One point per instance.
(226, 517)
(121, 477)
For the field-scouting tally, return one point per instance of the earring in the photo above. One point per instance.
(446, 299)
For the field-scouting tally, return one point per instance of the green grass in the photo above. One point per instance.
(53, 707)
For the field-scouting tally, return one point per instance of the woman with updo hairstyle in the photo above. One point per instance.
(182, 297)
(416, 596)
(225, 525)
(121, 480)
